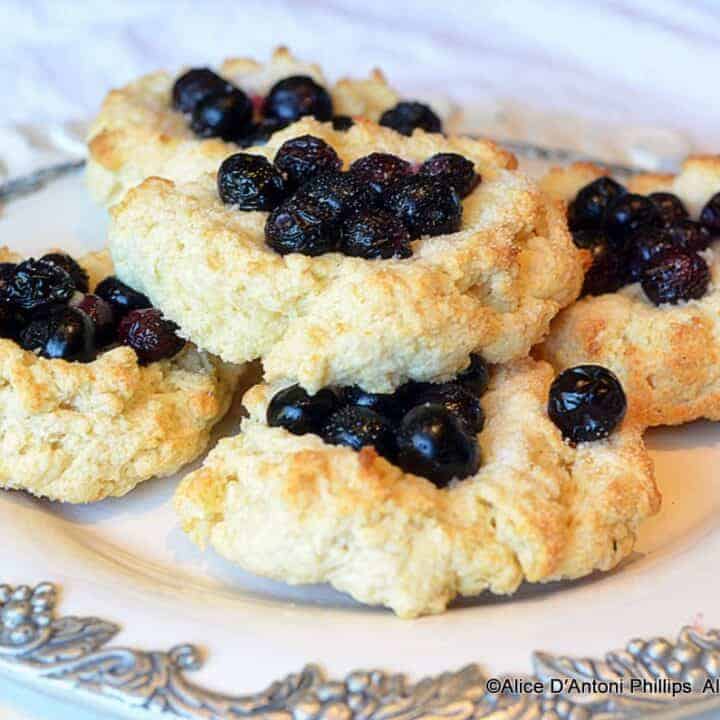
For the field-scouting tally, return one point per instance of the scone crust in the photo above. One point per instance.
(492, 287)
(667, 357)
(293, 508)
(137, 134)
(80, 432)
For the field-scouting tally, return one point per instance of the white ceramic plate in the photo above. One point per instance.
(126, 560)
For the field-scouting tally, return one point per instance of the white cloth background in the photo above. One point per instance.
(608, 77)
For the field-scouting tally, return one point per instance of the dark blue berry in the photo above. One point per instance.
(669, 206)
(150, 335)
(304, 157)
(374, 234)
(382, 403)
(11, 321)
(342, 123)
(250, 182)
(380, 170)
(434, 444)
(676, 276)
(7, 273)
(476, 377)
(259, 133)
(72, 267)
(628, 214)
(690, 235)
(339, 194)
(296, 228)
(607, 273)
(457, 400)
(453, 169)
(587, 210)
(226, 116)
(121, 297)
(589, 238)
(710, 215)
(298, 412)
(646, 246)
(358, 427)
(406, 116)
(60, 332)
(38, 284)
(426, 206)
(101, 315)
(197, 85)
(297, 96)
(586, 403)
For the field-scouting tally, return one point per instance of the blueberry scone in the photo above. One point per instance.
(651, 310)
(97, 391)
(361, 256)
(437, 490)
(179, 127)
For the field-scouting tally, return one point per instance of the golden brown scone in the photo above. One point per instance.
(296, 509)
(492, 287)
(80, 432)
(667, 357)
(138, 134)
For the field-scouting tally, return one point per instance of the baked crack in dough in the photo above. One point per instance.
(295, 509)
(667, 357)
(138, 134)
(80, 432)
(491, 288)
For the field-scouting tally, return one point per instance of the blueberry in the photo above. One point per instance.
(150, 335)
(60, 332)
(293, 228)
(374, 234)
(38, 284)
(407, 116)
(587, 403)
(382, 403)
(710, 215)
(476, 377)
(380, 170)
(453, 169)
(690, 235)
(121, 297)
(297, 96)
(72, 267)
(358, 427)
(587, 210)
(342, 123)
(298, 412)
(426, 206)
(250, 182)
(303, 157)
(669, 206)
(259, 133)
(101, 315)
(7, 273)
(10, 321)
(337, 194)
(434, 444)
(589, 238)
(646, 247)
(607, 273)
(626, 215)
(457, 400)
(197, 85)
(226, 116)
(676, 276)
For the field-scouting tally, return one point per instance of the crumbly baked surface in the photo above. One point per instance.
(667, 357)
(138, 134)
(80, 432)
(298, 510)
(492, 287)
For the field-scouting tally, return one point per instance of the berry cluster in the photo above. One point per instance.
(217, 108)
(647, 239)
(426, 429)
(372, 210)
(46, 308)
